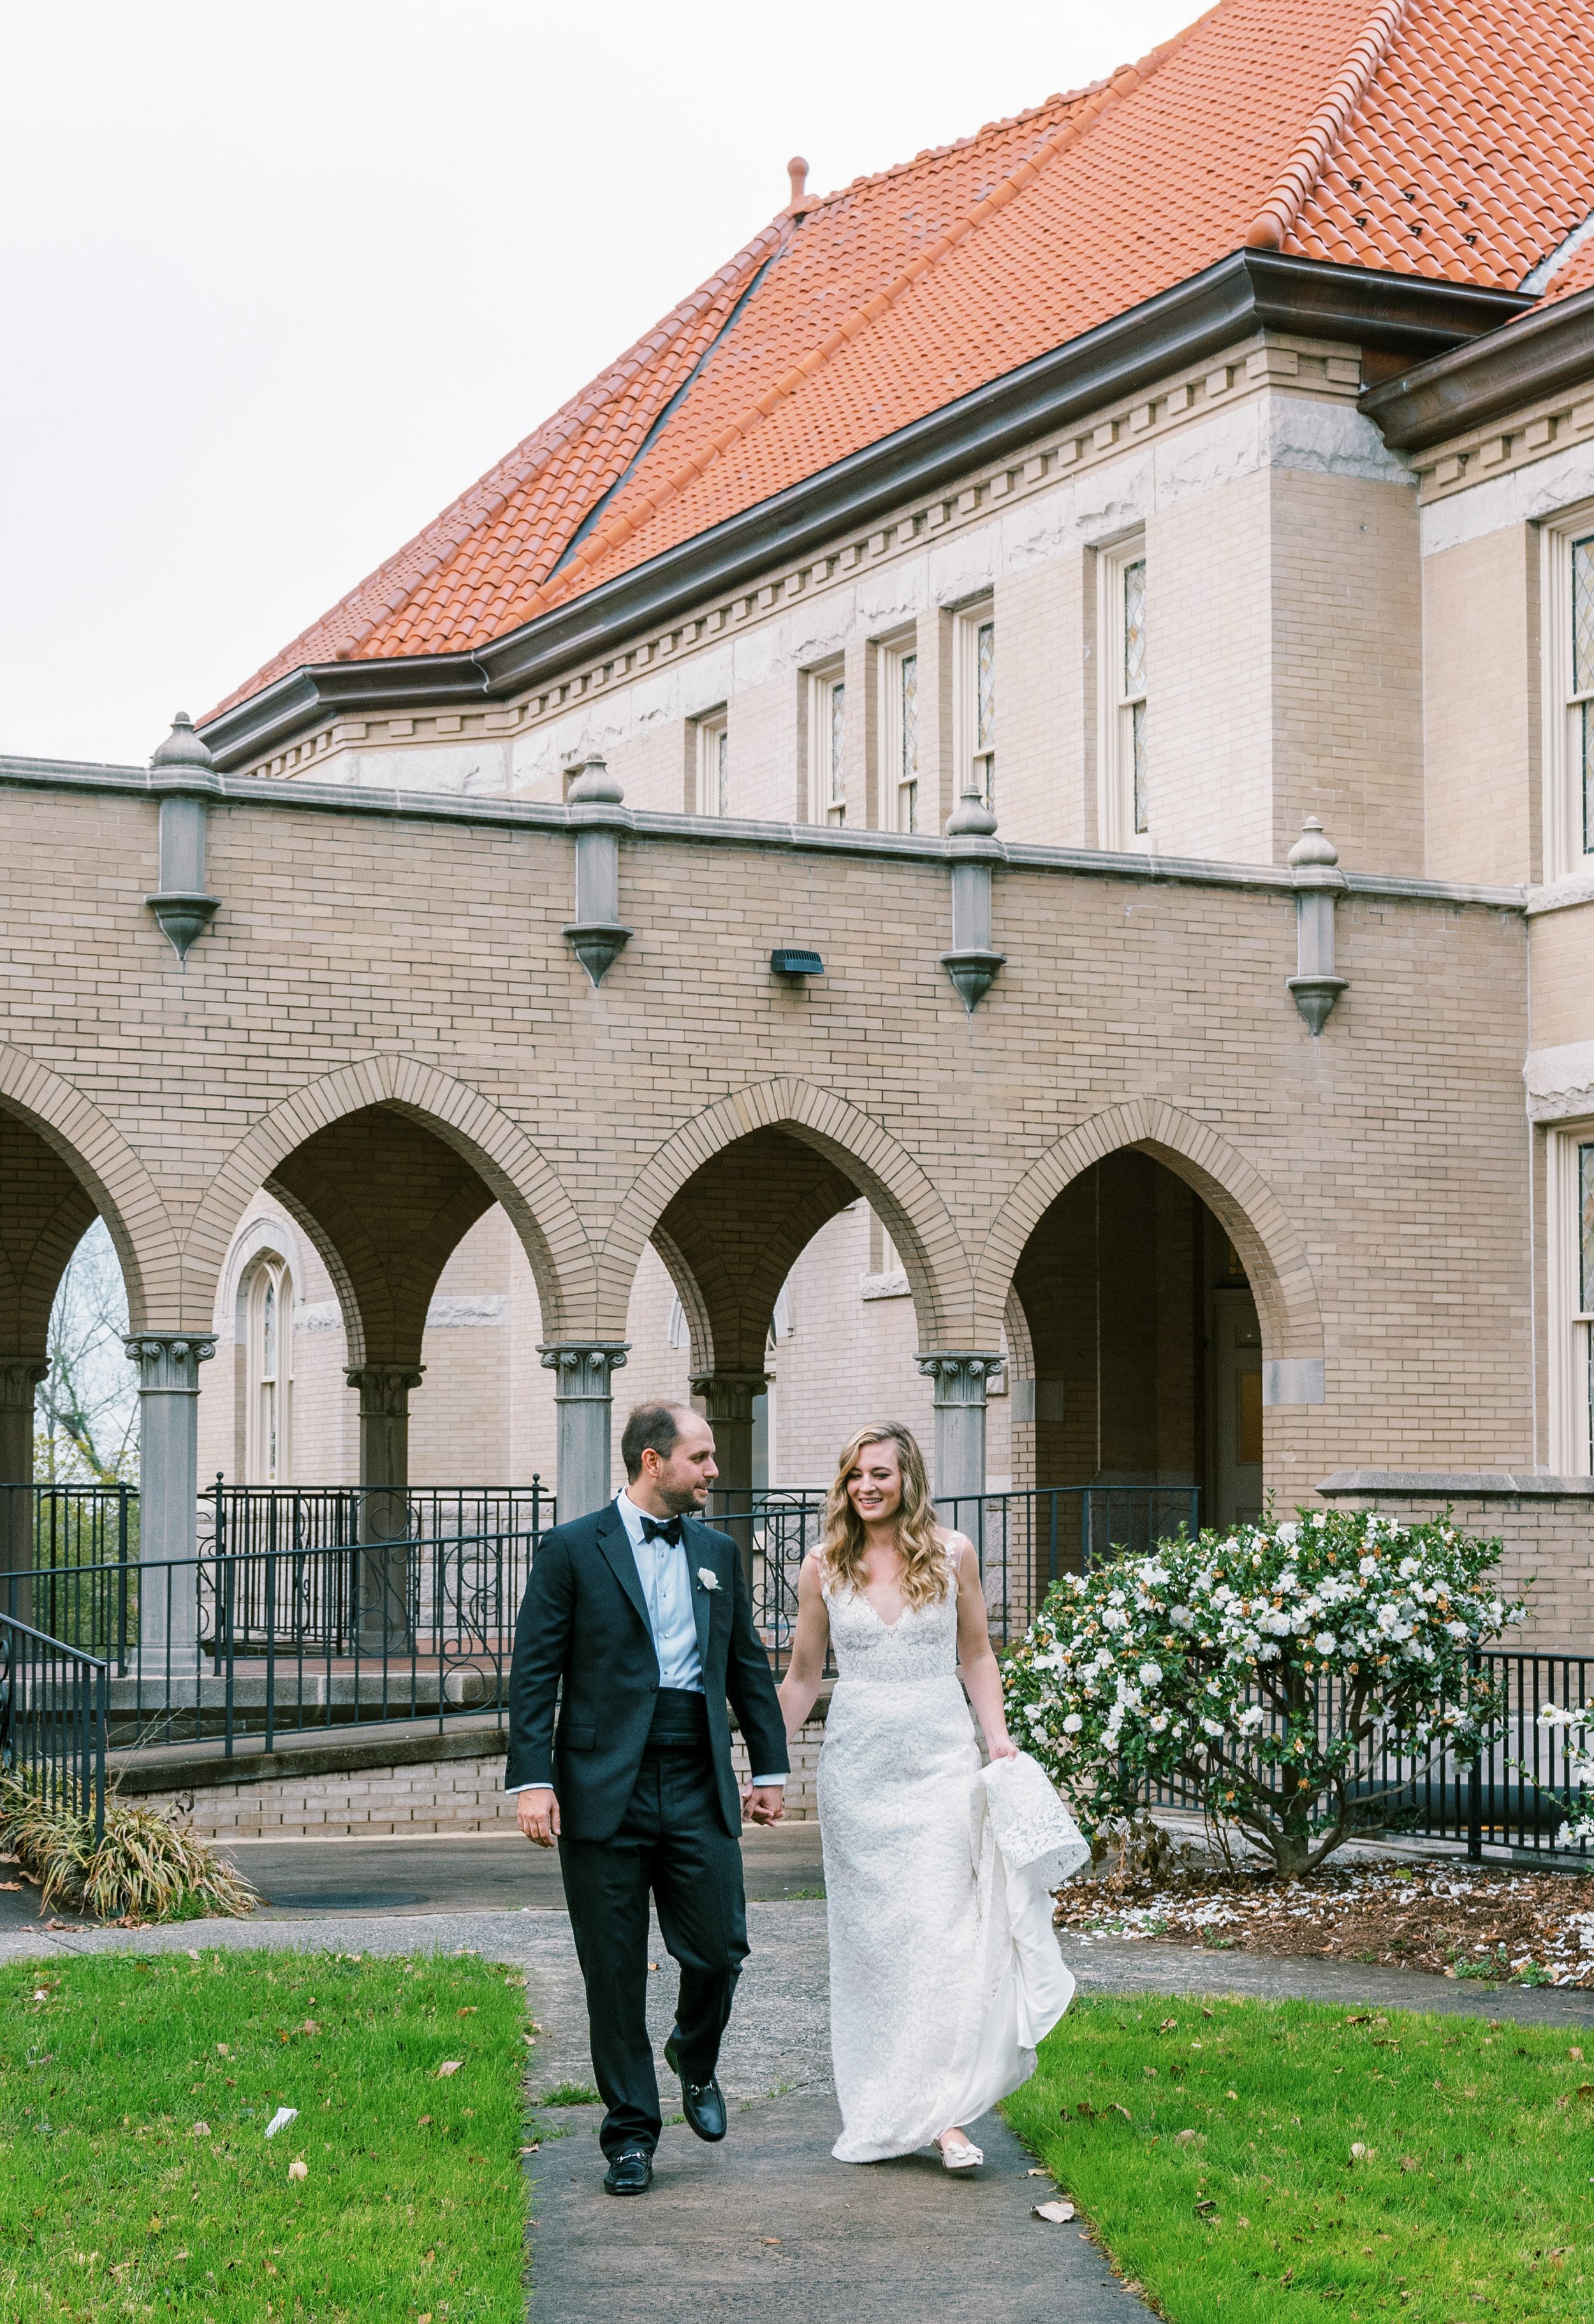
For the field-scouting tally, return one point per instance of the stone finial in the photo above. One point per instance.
(595, 786)
(182, 752)
(971, 818)
(1313, 852)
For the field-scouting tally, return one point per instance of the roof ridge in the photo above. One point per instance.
(1279, 212)
(466, 512)
(624, 523)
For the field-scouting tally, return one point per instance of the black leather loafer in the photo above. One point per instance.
(703, 2103)
(630, 2173)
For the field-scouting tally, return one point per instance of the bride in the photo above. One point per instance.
(944, 1971)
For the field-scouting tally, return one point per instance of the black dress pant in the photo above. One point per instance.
(673, 1841)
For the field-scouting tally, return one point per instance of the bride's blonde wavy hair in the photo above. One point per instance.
(927, 1574)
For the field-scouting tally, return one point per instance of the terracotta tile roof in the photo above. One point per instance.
(1450, 138)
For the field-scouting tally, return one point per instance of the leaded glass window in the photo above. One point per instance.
(269, 1372)
(985, 711)
(1134, 686)
(907, 737)
(836, 753)
(1582, 679)
(722, 771)
(1586, 1229)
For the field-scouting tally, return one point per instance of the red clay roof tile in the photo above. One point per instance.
(1448, 138)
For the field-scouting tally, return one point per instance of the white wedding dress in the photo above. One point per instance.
(944, 1971)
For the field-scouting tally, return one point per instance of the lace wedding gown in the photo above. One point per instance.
(944, 1971)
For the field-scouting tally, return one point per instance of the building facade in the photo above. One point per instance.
(1118, 591)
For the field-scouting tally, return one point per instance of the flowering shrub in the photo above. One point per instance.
(1257, 1667)
(1577, 1731)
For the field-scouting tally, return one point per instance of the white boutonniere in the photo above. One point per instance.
(707, 1578)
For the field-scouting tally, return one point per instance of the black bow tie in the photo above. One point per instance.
(652, 1530)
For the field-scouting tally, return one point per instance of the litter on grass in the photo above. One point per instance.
(1058, 2213)
(281, 2119)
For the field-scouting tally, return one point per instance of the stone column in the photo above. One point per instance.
(959, 1378)
(19, 1378)
(727, 1407)
(168, 1494)
(384, 1498)
(582, 1370)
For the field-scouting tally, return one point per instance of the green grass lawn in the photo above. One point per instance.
(136, 2179)
(1472, 2199)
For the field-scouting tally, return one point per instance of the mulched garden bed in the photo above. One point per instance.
(1508, 1927)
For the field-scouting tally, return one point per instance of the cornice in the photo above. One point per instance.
(1533, 359)
(500, 812)
(1249, 291)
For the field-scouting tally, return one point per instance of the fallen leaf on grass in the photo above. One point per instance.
(449, 2066)
(1169, 2025)
(1037, 2174)
(469, 2009)
(422, 2121)
(1190, 2138)
(1117, 2108)
(299, 2171)
(200, 2130)
(1058, 2213)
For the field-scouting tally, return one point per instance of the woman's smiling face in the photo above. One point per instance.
(874, 1482)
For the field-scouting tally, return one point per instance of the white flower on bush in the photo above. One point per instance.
(1229, 1626)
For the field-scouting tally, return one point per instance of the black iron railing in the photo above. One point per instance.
(53, 1707)
(1516, 1794)
(1025, 1540)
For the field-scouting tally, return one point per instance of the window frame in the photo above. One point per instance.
(1116, 725)
(269, 1272)
(827, 745)
(1570, 1447)
(892, 658)
(976, 754)
(1567, 793)
(713, 728)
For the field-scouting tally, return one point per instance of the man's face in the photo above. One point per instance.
(682, 1481)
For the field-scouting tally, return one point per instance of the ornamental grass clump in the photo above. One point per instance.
(144, 1868)
(1265, 1670)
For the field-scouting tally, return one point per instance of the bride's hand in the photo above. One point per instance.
(1004, 1747)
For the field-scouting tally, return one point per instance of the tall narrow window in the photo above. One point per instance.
(1569, 694)
(1124, 799)
(826, 747)
(269, 1374)
(714, 763)
(975, 707)
(1585, 1318)
(899, 738)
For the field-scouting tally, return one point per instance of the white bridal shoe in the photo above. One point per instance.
(961, 2158)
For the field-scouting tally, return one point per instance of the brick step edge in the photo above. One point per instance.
(139, 1774)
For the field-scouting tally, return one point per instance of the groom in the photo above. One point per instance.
(641, 1614)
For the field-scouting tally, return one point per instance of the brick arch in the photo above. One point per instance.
(878, 1165)
(117, 1183)
(1271, 1250)
(544, 1218)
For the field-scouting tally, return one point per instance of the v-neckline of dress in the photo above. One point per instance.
(889, 1627)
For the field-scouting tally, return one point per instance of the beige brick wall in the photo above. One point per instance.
(1481, 708)
(451, 1796)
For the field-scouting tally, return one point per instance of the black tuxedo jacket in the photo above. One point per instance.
(585, 1678)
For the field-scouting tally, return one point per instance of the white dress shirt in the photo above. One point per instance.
(667, 1593)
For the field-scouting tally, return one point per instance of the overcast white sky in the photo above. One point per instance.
(280, 279)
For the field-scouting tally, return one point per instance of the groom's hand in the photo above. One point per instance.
(536, 1811)
(762, 1803)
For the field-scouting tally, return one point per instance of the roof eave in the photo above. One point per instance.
(1525, 359)
(1249, 291)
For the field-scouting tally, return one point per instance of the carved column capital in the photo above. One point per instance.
(581, 1367)
(730, 1396)
(169, 1362)
(385, 1388)
(959, 1375)
(19, 1377)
